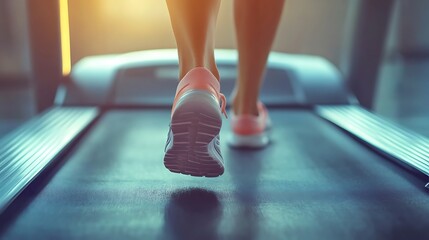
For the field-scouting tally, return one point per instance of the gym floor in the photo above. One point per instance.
(16, 105)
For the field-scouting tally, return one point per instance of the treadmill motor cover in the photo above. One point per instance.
(150, 78)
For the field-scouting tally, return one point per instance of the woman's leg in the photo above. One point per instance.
(256, 23)
(194, 23)
(193, 146)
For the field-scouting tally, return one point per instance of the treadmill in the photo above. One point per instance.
(90, 166)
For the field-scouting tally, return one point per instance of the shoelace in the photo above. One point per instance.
(223, 104)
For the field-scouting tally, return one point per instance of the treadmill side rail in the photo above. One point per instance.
(388, 138)
(27, 151)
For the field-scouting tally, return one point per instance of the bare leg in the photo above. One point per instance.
(193, 140)
(256, 23)
(194, 23)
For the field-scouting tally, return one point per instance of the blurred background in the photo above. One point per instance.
(317, 27)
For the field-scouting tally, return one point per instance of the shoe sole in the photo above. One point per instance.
(194, 135)
(249, 141)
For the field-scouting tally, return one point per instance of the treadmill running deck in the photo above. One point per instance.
(313, 181)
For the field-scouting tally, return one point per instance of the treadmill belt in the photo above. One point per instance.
(313, 181)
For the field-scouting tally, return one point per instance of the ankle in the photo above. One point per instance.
(184, 70)
(207, 60)
(244, 108)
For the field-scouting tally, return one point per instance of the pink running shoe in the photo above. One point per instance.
(249, 131)
(193, 140)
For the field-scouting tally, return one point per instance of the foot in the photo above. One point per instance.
(250, 131)
(196, 118)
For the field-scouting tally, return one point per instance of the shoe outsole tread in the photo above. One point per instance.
(194, 132)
